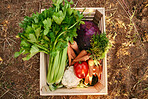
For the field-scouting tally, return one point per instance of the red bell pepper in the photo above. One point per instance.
(81, 69)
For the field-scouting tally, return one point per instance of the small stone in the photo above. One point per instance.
(145, 11)
(145, 22)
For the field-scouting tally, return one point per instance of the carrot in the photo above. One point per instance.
(100, 69)
(75, 47)
(89, 53)
(90, 80)
(72, 53)
(100, 77)
(94, 71)
(86, 79)
(91, 65)
(72, 57)
(82, 53)
(97, 71)
(84, 58)
(69, 54)
(69, 61)
(100, 61)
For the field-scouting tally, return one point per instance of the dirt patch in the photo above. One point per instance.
(126, 27)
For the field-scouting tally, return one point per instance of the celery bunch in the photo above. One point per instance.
(50, 32)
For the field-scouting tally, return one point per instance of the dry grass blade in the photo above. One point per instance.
(8, 42)
(130, 16)
(145, 76)
(4, 93)
(76, 3)
(7, 91)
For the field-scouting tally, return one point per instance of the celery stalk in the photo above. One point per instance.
(58, 66)
(54, 67)
(62, 66)
(49, 69)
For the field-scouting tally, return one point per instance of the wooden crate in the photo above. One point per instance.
(99, 89)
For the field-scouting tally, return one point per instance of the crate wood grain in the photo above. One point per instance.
(99, 89)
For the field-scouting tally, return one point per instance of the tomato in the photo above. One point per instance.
(81, 69)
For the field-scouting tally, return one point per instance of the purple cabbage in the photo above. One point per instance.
(85, 33)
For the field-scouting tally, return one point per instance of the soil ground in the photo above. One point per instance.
(126, 27)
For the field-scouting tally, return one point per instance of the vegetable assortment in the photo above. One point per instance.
(74, 54)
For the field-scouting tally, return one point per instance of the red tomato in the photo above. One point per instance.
(81, 69)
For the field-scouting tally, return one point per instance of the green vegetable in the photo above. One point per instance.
(99, 46)
(50, 32)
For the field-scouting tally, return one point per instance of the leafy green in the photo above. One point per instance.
(34, 50)
(24, 43)
(99, 46)
(37, 32)
(59, 17)
(32, 38)
(18, 53)
(29, 29)
(47, 23)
